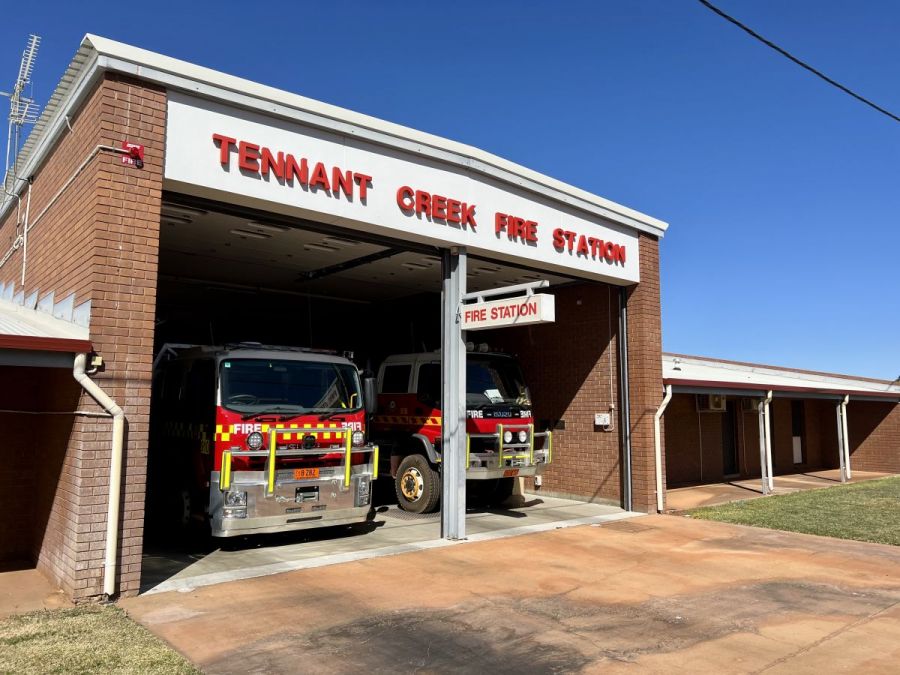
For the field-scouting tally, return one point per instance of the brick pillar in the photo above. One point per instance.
(645, 373)
(127, 203)
(98, 240)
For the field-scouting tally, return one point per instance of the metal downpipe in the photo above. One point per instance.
(115, 470)
(657, 447)
(627, 496)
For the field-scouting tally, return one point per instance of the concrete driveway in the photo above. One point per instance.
(649, 594)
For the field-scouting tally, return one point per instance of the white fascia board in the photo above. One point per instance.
(188, 77)
(176, 74)
(699, 369)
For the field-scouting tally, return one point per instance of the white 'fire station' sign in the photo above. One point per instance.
(521, 311)
(220, 152)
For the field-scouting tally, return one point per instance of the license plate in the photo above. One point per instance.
(510, 473)
(304, 474)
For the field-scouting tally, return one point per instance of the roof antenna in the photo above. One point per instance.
(22, 110)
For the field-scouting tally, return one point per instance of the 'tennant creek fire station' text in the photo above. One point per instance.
(336, 182)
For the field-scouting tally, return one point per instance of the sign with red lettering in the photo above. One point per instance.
(520, 311)
(341, 179)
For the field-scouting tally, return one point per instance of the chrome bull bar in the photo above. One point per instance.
(274, 452)
(522, 456)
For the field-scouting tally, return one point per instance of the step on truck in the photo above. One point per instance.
(502, 443)
(251, 438)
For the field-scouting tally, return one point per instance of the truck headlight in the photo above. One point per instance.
(358, 439)
(507, 437)
(255, 440)
(523, 436)
(235, 498)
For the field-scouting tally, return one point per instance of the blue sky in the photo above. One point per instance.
(782, 193)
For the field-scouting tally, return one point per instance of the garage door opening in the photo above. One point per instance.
(230, 275)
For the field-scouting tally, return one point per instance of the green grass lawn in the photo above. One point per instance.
(868, 511)
(88, 639)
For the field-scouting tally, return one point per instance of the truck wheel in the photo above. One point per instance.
(418, 486)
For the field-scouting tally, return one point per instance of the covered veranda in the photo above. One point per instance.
(734, 427)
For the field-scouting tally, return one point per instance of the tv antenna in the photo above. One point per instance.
(22, 110)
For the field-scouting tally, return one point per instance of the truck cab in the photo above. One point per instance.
(501, 440)
(254, 438)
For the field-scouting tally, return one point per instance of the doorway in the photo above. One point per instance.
(729, 445)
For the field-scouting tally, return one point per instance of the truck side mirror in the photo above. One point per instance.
(371, 394)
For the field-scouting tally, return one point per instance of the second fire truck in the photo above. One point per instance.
(502, 443)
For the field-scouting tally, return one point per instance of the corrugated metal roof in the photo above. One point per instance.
(30, 329)
(699, 371)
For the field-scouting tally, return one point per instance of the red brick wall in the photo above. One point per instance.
(100, 241)
(645, 374)
(32, 453)
(571, 368)
(874, 430)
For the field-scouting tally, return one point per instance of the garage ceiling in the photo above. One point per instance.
(211, 248)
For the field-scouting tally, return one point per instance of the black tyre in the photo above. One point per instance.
(418, 486)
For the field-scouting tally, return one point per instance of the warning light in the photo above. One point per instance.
(135, 154)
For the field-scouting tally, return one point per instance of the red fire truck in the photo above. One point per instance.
(254, 438)
(501, 441)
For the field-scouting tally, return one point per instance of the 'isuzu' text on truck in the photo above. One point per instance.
(254, 439)
(501, 441)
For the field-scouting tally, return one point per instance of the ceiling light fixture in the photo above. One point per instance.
(338, 241)
(268, 227)
(320, 247)
(248, 234)
(414, 266)
(183, 210)
(175, 220)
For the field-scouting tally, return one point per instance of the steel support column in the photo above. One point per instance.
(768, 402)
(763, 428)
(839, 410)
(453, 372)
(845, 434)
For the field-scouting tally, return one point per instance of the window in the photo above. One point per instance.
(288, 385)
(495, 381)
(429, 384)
(395, 379)
(200, 393)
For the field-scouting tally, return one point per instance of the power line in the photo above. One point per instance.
(800, 63)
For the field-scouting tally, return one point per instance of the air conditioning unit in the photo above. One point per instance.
(749, 405)
(711, 402)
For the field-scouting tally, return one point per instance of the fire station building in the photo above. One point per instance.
(161, 202)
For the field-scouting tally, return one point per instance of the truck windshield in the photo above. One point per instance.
(495, 381)
(288, 386)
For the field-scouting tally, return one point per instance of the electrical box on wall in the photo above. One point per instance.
(602, 419)
(710, 402)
